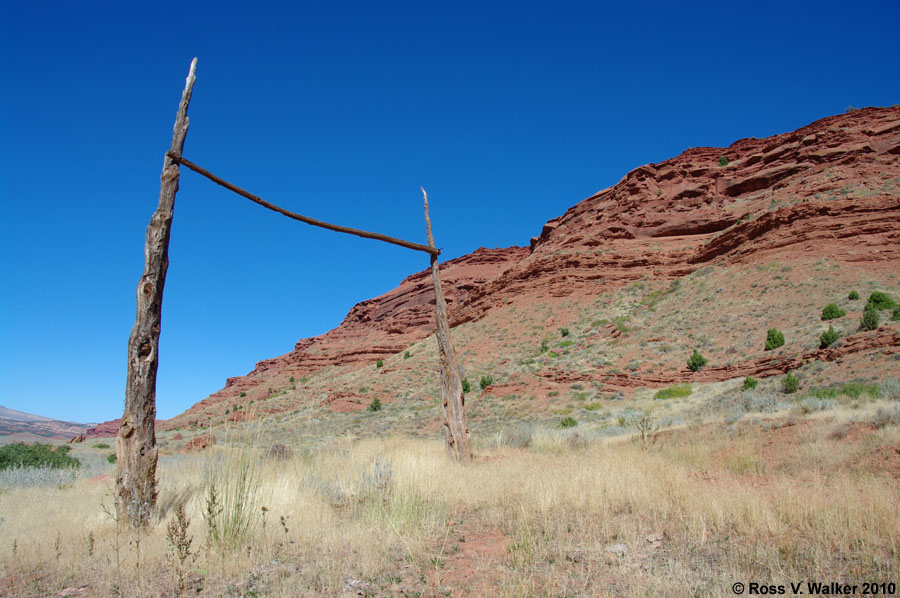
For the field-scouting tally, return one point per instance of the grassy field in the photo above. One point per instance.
(787, 495)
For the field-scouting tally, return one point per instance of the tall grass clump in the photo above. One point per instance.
(232, 489)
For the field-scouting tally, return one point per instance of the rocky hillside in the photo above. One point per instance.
(17, 426)
(703, 251)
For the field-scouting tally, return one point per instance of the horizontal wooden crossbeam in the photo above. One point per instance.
(311, 221)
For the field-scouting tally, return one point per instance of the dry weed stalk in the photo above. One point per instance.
(648, 432)
(180, 554)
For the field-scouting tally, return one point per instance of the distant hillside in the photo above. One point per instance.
(18, 426)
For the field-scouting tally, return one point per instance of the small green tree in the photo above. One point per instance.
(896, 314)
(465, 385)
(869, 319)
(696, 362)
(828, 338)
(774, 339)
(379, 363)
(832, 312)
(749, 383)
(790, 383)
(406, 355)
(723, 161)
(486, 381)
(564, 331)
(853, 296)
(375, 405)
(881, 300)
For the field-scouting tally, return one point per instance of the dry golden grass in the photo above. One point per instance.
(699, 510)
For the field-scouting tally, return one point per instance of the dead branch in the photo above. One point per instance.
(311, 221)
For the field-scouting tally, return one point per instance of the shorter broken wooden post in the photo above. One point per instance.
(452, 400)
(136, 452)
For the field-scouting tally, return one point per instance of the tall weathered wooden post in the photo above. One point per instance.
(136, 451)
(452, 400)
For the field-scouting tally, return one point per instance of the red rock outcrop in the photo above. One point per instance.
(373, 329)
(839, 173)
(830, 188)
(198, 443)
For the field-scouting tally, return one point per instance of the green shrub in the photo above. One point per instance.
(111, 458)
(379, 363)
(486, 381)
(593, 406)
(568, 422)
(896, 315)
(869, 320)
(832, 312)
(828, 338)
(102, 445)
(790, 383)
(853, 296)
(466, 386)
(749, 383)
(881, 300)
(564, 331)
(406, 355)
(696, 361)
(243, 394)
(723, 161)
(672, 392)
(36, 455)
(854, 390)
(774, 339)
(544, 346)
(375, 405)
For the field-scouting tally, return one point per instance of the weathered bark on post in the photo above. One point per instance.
(136, 451)
(456, 433)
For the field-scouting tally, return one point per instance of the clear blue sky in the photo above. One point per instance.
(508, 113)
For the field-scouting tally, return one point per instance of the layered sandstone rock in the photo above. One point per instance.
(828, 189)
